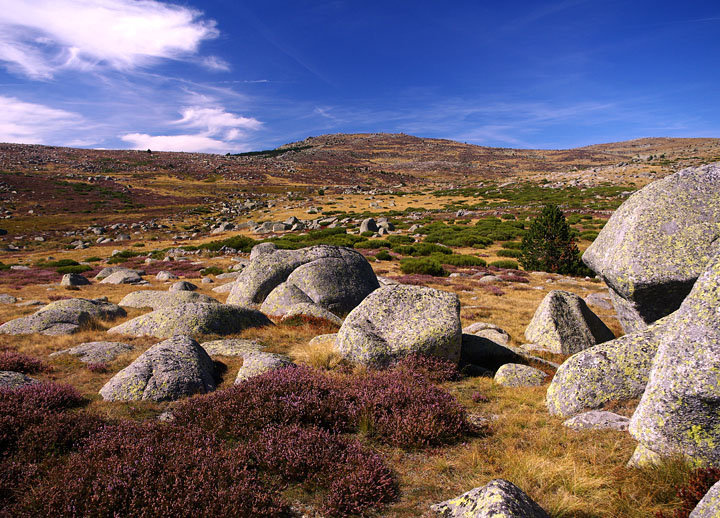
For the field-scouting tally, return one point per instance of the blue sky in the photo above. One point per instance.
(233, 75)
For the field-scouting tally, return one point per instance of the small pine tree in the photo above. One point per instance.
(549, 245)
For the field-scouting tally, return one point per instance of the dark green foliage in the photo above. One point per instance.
(482, 234)
(422, 266)
(373, 244)
(79, 268)
(211, 270)
(123, 256)
(459, 260)
(368, 233)
(509, 253)
(400, 240)
(421, 249)
(57, 264)
(589, 235)
(4, 266)
(549, 245)
(93, 259)
(512, 245)
(326, 236)
(505, 263)
(383, 255)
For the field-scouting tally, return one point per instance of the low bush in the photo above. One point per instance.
(509, 253)
(506, 264)
(240, 243)
(435, 369)
(459, 260)
(123, 256)
(512, 245)
(14, 361)
(422, 266)
(93, 259)
(57, 264)
(698, 484)
(80, 268)
(373, 244)
(399, 239)
(383, 255)
(421, 249)
(211, 270)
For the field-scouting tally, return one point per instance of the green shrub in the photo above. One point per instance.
(4, 266)
(93, 259)
(589, 235)
(241, 243)
(549, 245)
(505, 263)
(512, 245)
(211, 270)
(367, 233)
(383, 255)
(57, 264)
(459, 260)
(78, 268)
(373, 244)
(400, 240)
(422, 266)
(509, 253)
(139, 245)
(421, 249)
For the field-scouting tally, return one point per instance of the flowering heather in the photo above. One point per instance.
(433, 368)
(20, 278)
(14, 361)
(97, 367)
(153, 470)
(513, 278)
(699, 483)
(179, 268)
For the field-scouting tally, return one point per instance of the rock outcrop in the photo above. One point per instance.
(161, 299)
(498, 499)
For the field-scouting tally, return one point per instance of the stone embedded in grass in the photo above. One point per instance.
(498, 499)
(598, 420)
(518, 375)
(63, 317)
(489, 331)
(167, 371)
(74, 279)
(161, 299)
(13, 380)
(333, 277)
(564, 324)
(7, 299)
(165, 276)
(395, 321)
(109, 270)
(256, 363)
(231, 347)
(193, 319)
(679, 413)
(123, 277)
(96, 352)
(709, 506)
(654, 247)
(183, 286)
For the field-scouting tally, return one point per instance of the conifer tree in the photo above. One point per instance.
(549, 245)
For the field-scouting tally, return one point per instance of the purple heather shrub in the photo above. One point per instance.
(513, 278)
(433, 368)
(153, 469)
(479, 397)
(97, 367)
(18, 279)
(14, 361)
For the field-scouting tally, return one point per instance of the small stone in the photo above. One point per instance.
(517, 375)
(256, 363)
(598, 420)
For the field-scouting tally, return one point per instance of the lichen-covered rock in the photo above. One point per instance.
(564, 324)
(598, 420)
(335, 278)
(311, 310)
(167, 371)
(489, 331)
(256, 363)
(601, 300)
(13, 380)
(326, 339)
(657, 243)
(122, 277)
(498, 499)
(231, 347)
(709, 506)
(224, 288)
(483, 352)
(161, 299)
(368, 225)
(74, 279)
(96, 352)
(7, 299)
(282, 298)
(679, 412)
(395, 321)
(165, 276)
(518, 375)
(193, 319)
(109, 270)
(617, 370)
(262, 249)
(183, 286)
(62, 317)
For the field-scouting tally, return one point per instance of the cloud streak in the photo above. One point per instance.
(30, 123)
(41, 37)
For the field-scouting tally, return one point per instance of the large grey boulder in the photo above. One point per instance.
(161, 299)
(564, 324)
(335, 278)
(368, 225)
(123, 277)
(109, 270)
(518, 375)
(679, 413)
(167, 371)
(313, 311)
(489, 331)
(256, 363)
(709, 506)
(498, 499)
(485, 353)
(262, 249)
(62, 317)
(193, 319)
(183, 286)
(282, 298)
(96, 352)
(617, 370)
(657, 243)
(13, 380)
(395, 321)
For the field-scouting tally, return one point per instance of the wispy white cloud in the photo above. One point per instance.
(30, 123)
(40, 37)
(187, 143)
(215, 120)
